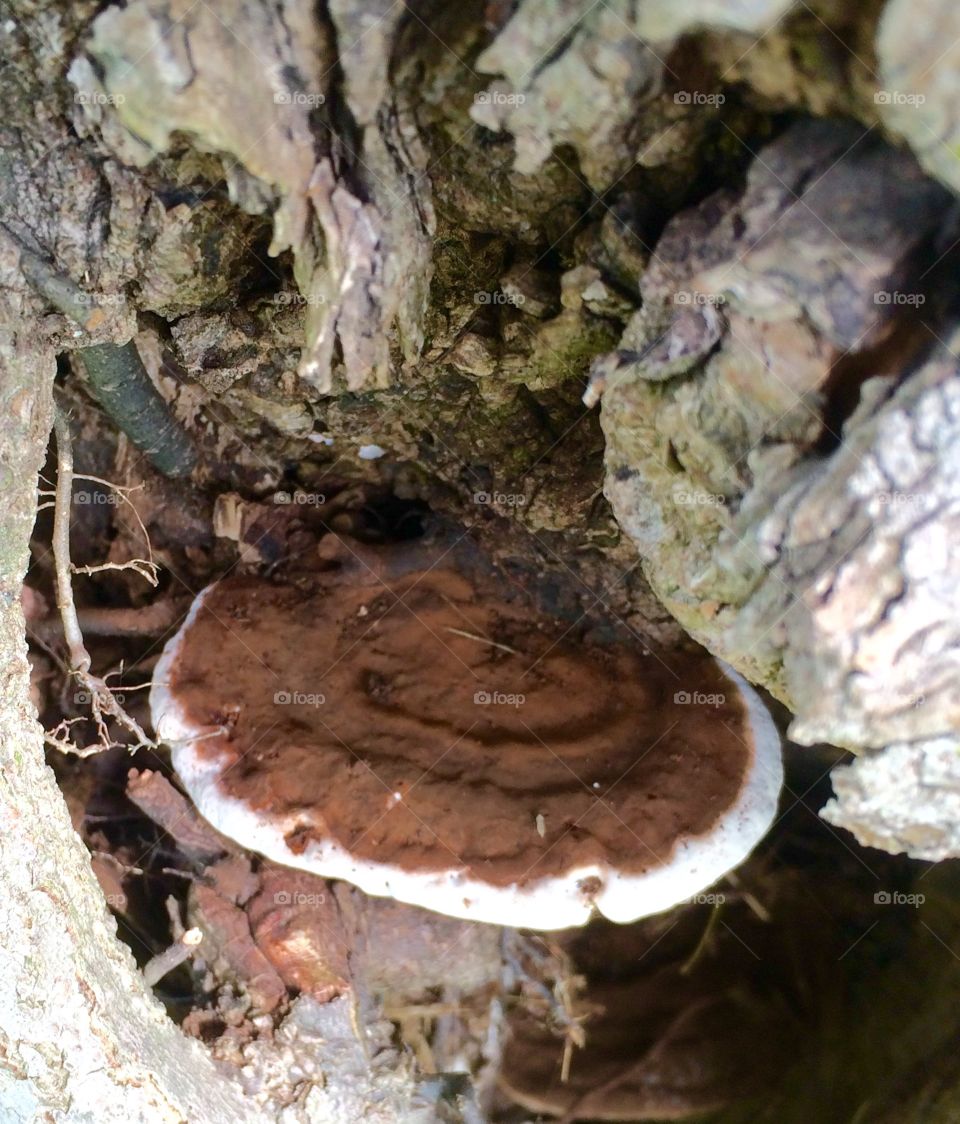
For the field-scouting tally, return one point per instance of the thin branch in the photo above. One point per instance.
(123, 490)
(154, 970)
(79, 656)
(60, 291)
(123, 388)
(147, 570)
(481, 639)
(116, 373)
(103, 702)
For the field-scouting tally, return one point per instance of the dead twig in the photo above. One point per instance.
(59, 738)
(156, 797)
(559, 1004)
(147, 620)
(60, 291)
(481, 639)
(103, 702)
(147, 570)
(706, 938)
(182, 949)
(146, 567)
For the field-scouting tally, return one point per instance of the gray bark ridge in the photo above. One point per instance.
(256, 85)
(575, 72)
(816, 559)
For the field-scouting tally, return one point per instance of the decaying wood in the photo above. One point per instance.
(154, 795)
(80, 1035)
(347, 249)
(780, 445)
(804, 540)
(165, 962)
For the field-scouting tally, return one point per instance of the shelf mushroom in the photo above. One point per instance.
(433, 738)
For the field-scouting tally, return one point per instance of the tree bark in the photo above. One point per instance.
(421, 228)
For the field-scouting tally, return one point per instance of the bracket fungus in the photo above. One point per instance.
(428, 734)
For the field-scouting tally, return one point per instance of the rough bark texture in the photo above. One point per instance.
(417, 228)
(782, 448)
(80, 1037)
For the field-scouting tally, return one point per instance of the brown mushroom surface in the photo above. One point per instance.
(427, 737)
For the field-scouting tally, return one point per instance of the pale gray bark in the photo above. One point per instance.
(81, 1038)
(919, 81)
(807, 541)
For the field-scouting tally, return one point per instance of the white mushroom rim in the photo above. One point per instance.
(555, 902)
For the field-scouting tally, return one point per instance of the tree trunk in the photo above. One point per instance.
(422, 231)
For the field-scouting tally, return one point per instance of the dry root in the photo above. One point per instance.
(103, 702)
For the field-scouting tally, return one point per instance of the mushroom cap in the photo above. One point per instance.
(435, 742)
